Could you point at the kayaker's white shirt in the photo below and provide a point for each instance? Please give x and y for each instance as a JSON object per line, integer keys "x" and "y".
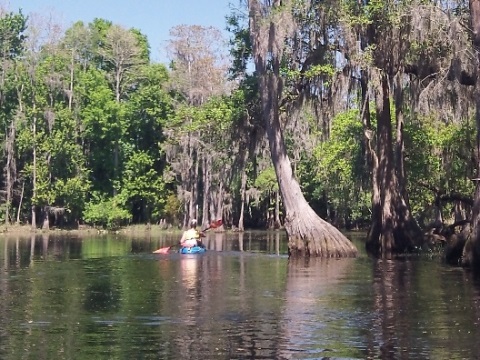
{"x": 190, "y": 237}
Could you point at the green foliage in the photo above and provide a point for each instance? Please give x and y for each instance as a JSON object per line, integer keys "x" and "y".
{"x": 60, "y": 101}
{"x": 71, "y": 193}
{"x": 98, "y": 110}
{"x": 141, "y": 185}
{"x": 143, "y": 43}
{"x": 98, "y": 29}
{"x": 267, "y": 181}
{"x": 438, "y": 155}
{"x": 146, "y": 115}
{"x": 172, "y": 209}
{"x": 240, "y": 43}
{"x": 339, "y": 169}
{"x": 312, "y": 72}
{"x": 105, "y": 212}
{"x": 213, "y": 117}
{"x": 12, "y": 34}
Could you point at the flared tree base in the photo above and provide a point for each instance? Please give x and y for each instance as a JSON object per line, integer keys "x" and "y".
{"x": 405, "y": 237}
{"x": 310, "y": 235}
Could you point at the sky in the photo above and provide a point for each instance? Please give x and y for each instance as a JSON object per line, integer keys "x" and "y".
{"x": 154, "y": 18}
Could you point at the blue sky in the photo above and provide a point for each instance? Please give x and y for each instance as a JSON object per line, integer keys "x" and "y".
{"x": 154, "y": 18}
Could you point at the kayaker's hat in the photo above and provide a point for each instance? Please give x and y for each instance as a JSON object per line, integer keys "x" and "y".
{"x": 193, "y": 223}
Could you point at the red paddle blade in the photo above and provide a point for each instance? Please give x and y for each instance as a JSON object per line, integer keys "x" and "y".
{"x": 216, "y": 223}
{"x": 162, "y": 250}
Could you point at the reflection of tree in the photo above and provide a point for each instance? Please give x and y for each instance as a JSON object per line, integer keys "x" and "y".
{"x": 246, "y": 305}
{"x": 45, "y": 240}
{"x": 190, "y": 297}
{"x": 415, "y": 313}
{"x": 391, "y": 287}
{"x": 270, "y": 242}
{"x": 32, "y": 248}
{"x": 240, "y": 241}
{"x": 226, "y": 306}
{"x": 310, "y": 283}
{"x": 4, "y": 292}
{"x": 273, "y": 242}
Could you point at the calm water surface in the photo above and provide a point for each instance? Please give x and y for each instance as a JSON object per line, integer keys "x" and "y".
{"x": 111, "y": 298}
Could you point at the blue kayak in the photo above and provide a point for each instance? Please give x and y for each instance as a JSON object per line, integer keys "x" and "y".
{"x": 192, "y": 250}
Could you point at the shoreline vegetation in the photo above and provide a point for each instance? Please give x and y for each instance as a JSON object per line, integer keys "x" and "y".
{"x": 15, "y": 229}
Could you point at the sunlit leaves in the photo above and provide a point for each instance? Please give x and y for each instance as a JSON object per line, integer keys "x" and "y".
{"x": 327, "y": 70}
{"x": 12, "y": 34}
{"x": 97, "y": 105}
{"x": 341, "y": 168}
{"x": 266, "y": 181}
{"x": 105, "y": 212}
{"x": 142, "y": 184}
{"x": 440, "y": 156}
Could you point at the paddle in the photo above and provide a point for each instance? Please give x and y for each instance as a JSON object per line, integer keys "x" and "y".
{"x": 213, "y": 225}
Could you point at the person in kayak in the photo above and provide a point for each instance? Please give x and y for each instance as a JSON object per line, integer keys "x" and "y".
{"x": 191, "y": 237}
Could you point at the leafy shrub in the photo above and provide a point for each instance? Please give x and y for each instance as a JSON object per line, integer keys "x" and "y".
{"x": 106, "y": 213}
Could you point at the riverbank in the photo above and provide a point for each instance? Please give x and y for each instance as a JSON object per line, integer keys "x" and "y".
{"x": 15, "y": 229}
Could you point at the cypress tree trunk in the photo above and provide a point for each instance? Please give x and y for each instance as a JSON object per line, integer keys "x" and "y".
{"x": 243, "y": 186}
{"x": 278, "y": 223}
{"x": 308, "y": 234}
{"x": 34, "y": 173}
{"x": 9, "y": 170}
{"x": 206, "y": 168}
{"x": 393, "y": 228}
{"x": 471, "y": 251}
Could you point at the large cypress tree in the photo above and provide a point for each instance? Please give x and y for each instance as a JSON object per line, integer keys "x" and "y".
{"x": 308, "y": 234}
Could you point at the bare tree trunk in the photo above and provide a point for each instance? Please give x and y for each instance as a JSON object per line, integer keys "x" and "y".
{"x": 211, "y": 203}
{"x": 185, "y": 213}
{"x": 219, "y": 205}
{"x": 194, "y": 186}
{"x": 243, "y": 191}
{"x": 438, "y": 211}
{"x": 21, "y": 113}
{"x": 116, "y": 145}
{"x": 206, "y": 188}
{"x": 243, "y": 186}
{"x": 20, "y": 203}
{"x": 190, "y": 181}
{"x": 374, "y": 230}
{"x": 46, "y": 221}
{"x": 471, "y": 252}
{"x": 268, "y": 213}
{"x": 400, "y": 143}
{"x": 393, "y": 228}
{"x": 308, "y": 234}
{"x": 34, "y": 173}
{"x": 10, "y": 170}
{"x": 278, "y": 223}
{"x": 70, "y": 90}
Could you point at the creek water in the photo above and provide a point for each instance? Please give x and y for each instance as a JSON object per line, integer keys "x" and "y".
{"x": 109, "y": 297}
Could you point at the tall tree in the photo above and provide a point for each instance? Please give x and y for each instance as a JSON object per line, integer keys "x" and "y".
{"x": 56, "y": 162}
{"x": 122, "y": 50}
{"x": 383, "y": 28}
{"x": 147, "y": 110}
{"x": 271, "y": 23}
{"x": 471, "y": 252}
{"x": 198, "y": 73}
{"x": 12, "y": 28}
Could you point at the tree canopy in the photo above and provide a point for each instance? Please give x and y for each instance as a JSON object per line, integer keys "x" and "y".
{"x": 372, "y": 103}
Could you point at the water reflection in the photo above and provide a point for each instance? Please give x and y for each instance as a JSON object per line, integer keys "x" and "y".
{"x": 110, "y": 297}
{"x": 313, "y": 321}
